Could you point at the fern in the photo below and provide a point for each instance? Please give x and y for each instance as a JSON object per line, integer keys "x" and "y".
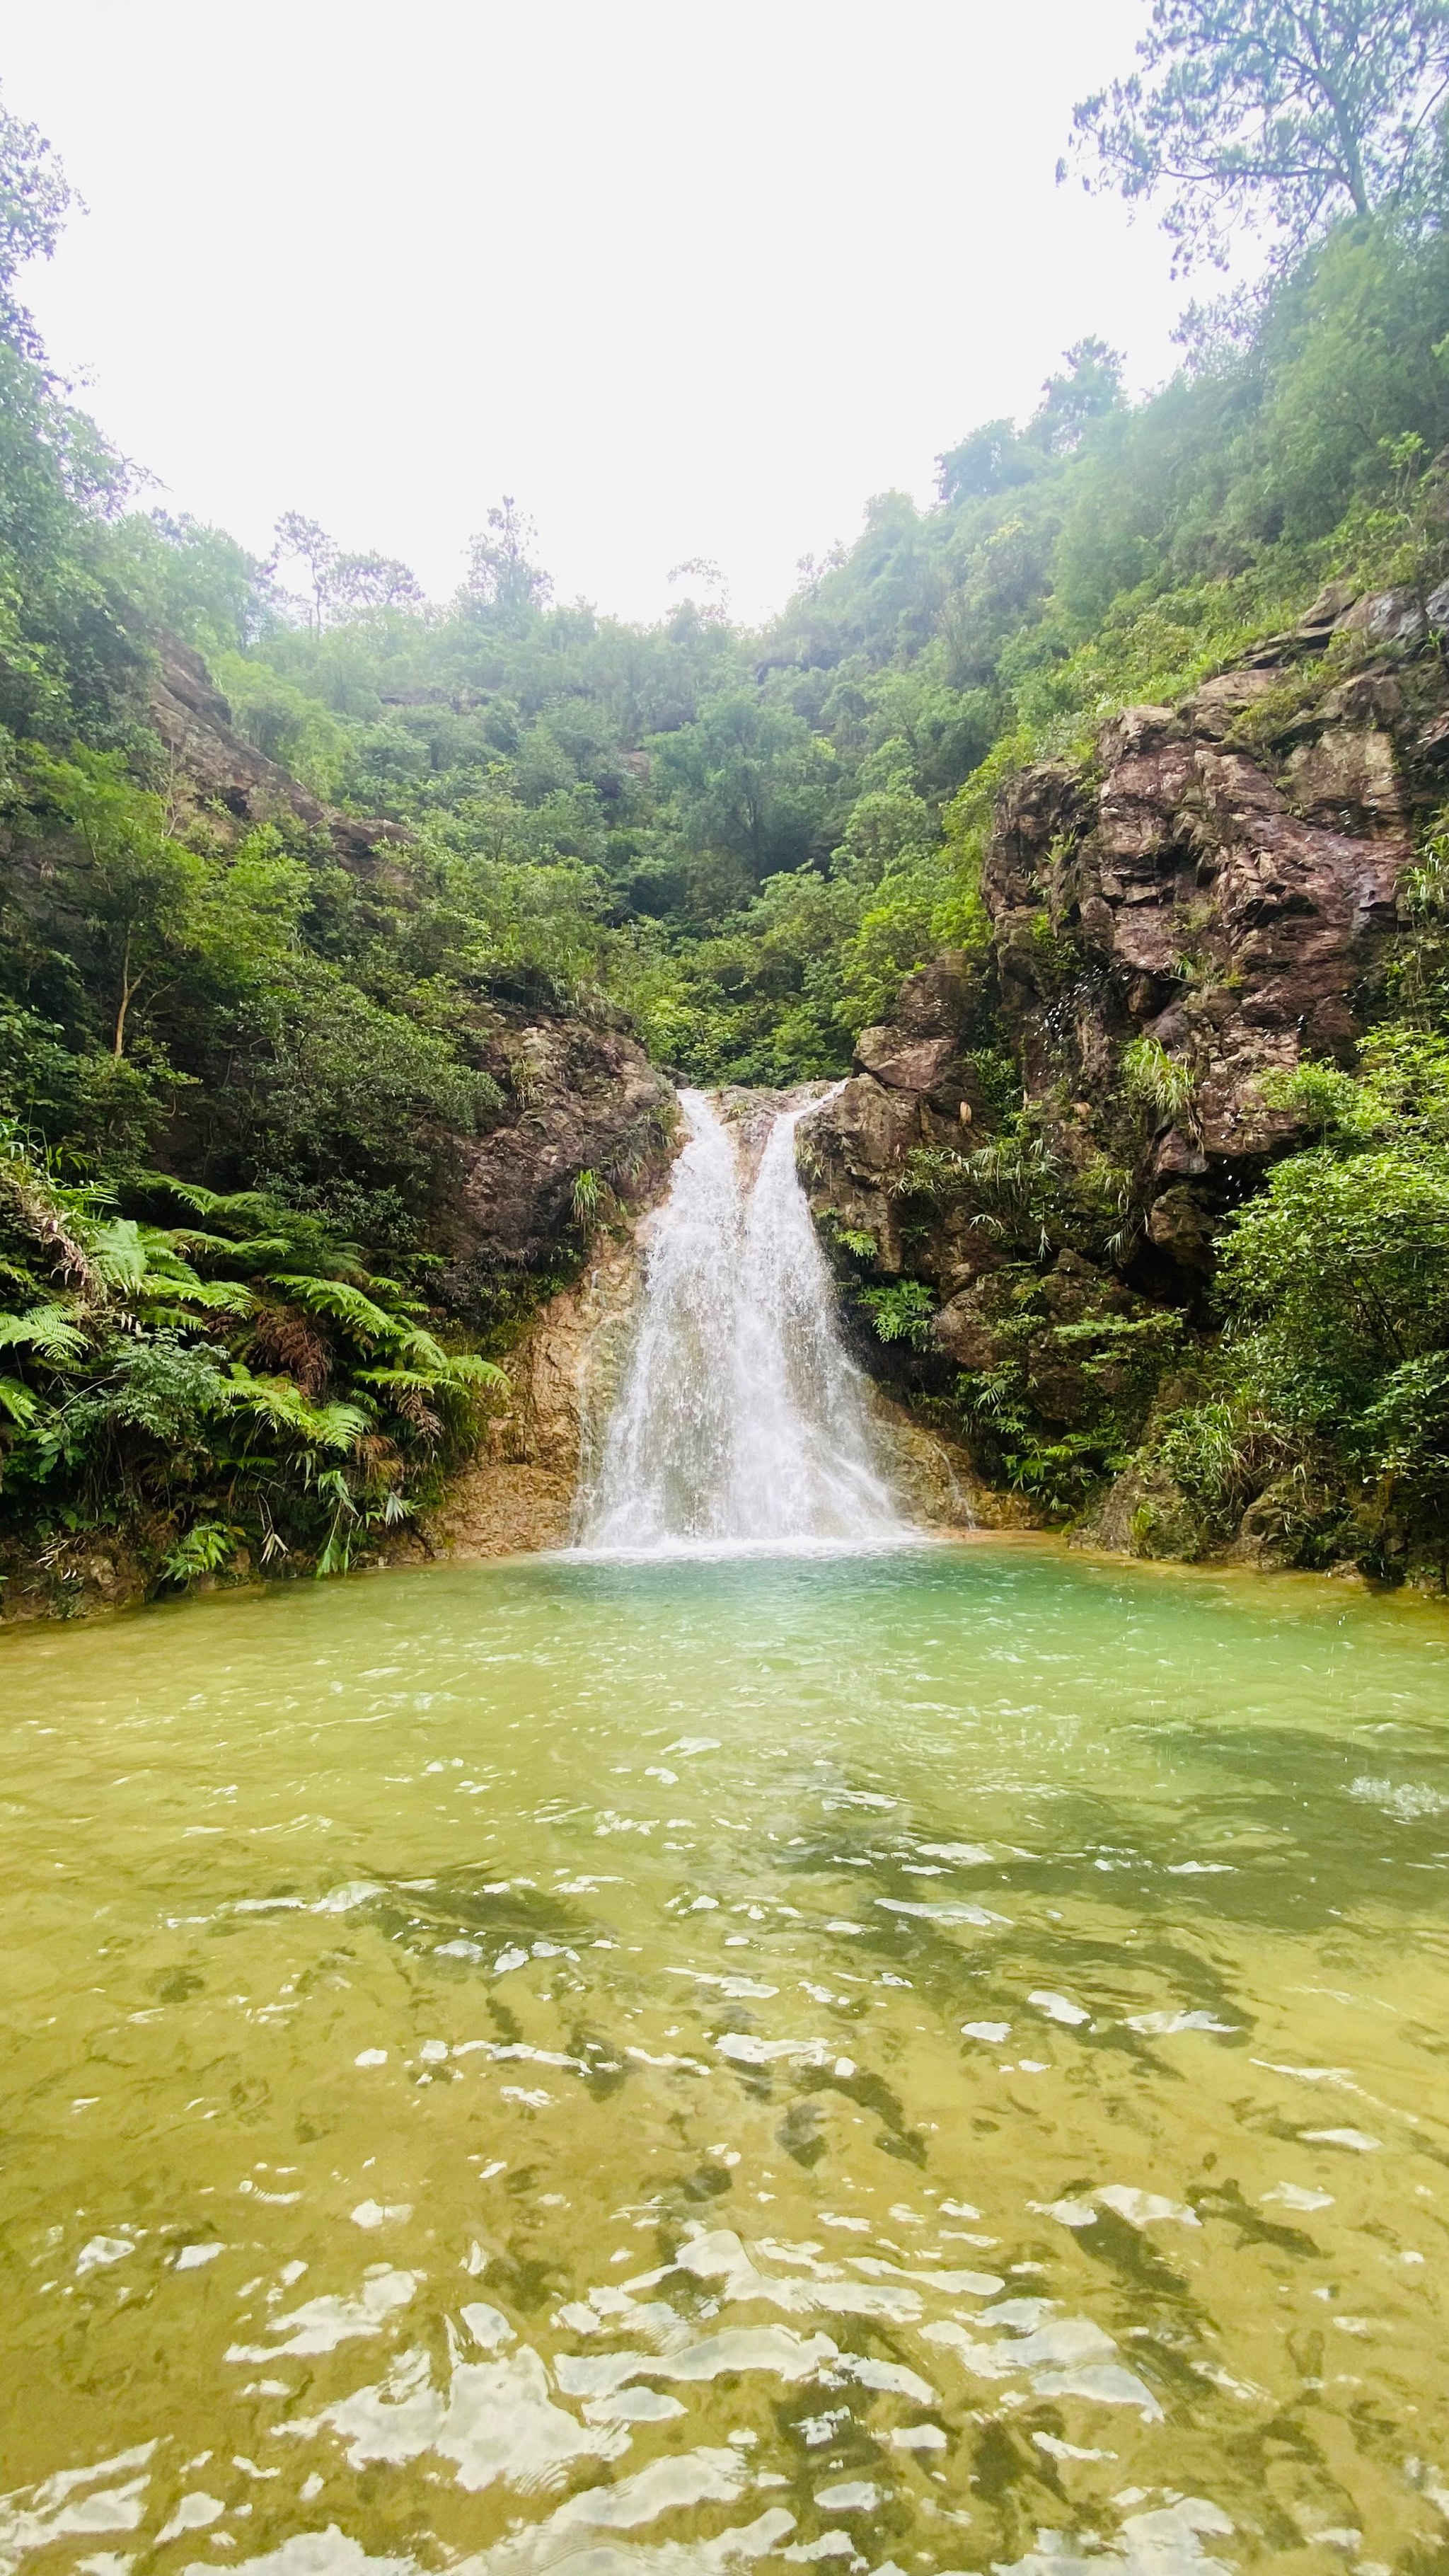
{"x": 51, "y": 1332}
{"x": 469, "y": 1368}
{"x": 205, "y": 1549}
{"x": 463, "y": 1370}
{"x": 279, "y": 1403}
{"x": 901, "y": 1312}
{"x": 20, "y": 1402}
{"x": 342, "y": 1303}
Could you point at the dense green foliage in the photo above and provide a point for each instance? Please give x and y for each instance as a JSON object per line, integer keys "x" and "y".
{"x": 240, "y": 1381}
{"x": 742, "y": 841}
{"x": 746, "y": 840}
{"x": 736, "y": 843}
{"x": 1328, "y": 1400}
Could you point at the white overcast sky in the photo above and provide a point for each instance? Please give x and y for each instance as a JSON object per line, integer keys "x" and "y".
{"x": 687, "y": 277}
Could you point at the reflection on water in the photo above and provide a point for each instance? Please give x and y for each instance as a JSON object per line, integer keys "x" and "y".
{"x": 933, "y": 2062}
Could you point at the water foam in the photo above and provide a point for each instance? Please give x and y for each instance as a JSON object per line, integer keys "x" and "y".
{"x": 742, "y": 1422}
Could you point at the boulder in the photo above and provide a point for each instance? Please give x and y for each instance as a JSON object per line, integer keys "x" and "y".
{"x": 937, "y": 1000}
{"x": 1347, "y": 778}
{"x": 582, "y": 1099}
{"x": 1387, "y": 620}
{"x": 1217, "y": 705}
{"x": 1333, "y": 603}
{"x": 902, "y": 1062}
{"x": 963, "y": 1333}
{"x": 1178, "y": 1224}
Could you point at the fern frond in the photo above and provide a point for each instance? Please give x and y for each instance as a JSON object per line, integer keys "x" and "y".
{"x": 215, "y": 1296}
{"x": 343, "y": 1304}
{"x": 281, "y": 1404}
{"x": 51, "y": 1332}
{"x": 469, "y": 1368}
{"x": 20, "y": 1402}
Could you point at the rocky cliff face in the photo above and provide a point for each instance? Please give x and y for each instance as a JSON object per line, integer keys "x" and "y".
{"x": 588, "y": 1121}
{"x": 213, "y": 768}
{"x": 1217, "y": 883}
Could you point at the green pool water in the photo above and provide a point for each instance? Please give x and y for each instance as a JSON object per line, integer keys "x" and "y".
{"x": 931, "y": 2060}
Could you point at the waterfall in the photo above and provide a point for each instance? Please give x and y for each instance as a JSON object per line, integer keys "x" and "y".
{"x": 741, "y": 1420}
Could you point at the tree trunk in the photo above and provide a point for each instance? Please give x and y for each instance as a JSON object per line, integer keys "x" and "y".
{"x": 130, "y": 987}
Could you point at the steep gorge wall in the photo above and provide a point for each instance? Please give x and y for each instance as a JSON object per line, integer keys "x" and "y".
{"x": 580, "y": 1122}
{"x": 577, "y": 1096}
{"x": 1221, "y": 878}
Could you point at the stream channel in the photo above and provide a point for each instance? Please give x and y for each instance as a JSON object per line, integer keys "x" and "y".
{"x": 687, "y": 2055}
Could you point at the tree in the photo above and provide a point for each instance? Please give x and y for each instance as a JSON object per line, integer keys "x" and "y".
{"x": 501, "y": 571}
{"x": 987, "y": 460}
{"x": 1284, "y": 114}
{"x": 746, "y": 778}
{"x": 307, "y": 541}
{"x": 35, "y": 197}
{"x": 344, "y": 585}
{"x": 138, "y": 887}
{"x": 359, "y": 583}
{"x": 1090, "y": 386}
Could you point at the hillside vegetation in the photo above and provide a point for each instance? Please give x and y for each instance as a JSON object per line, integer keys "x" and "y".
{"x": 236, "y": 1055}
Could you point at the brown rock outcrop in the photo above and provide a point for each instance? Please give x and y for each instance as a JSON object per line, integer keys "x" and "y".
{"x": 1220, "y": 881}
{"x": 520, "y": 1492}
{"x": 213, "y": 767}
{"x": 1222, "y": 886}
{"x": 582, "y": 1100}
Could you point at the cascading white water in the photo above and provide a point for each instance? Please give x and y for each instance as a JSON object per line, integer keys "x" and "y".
{"x": 741, "y": 1420}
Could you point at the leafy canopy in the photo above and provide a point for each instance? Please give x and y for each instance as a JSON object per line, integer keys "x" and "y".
{"x": 1276, "y": 115}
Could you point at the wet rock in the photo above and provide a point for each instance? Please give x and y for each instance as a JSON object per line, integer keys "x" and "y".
{"x": 1179, "y": 1225}
{"x": 584, "y": 1099}
{"x": 1387, "y": 620}
{"x": 903, "y": 1063}
{"x": 1176, "y": 1154}
{"x": 852, "y": 1160}
{"x": 936, "y": 1478}
{"x": 1142, "y": 1513}
{"x": 1267, "y": 1533}
{"x": 519, "y": 1493}
{"x": 963, "y": 1332}
{"x": 1348, "y": 778}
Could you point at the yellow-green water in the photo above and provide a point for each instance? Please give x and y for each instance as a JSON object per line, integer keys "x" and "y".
{"x": 934, "y": 2059}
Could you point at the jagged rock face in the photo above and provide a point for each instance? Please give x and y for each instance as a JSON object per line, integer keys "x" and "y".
{"x": 1221, "y": 878}
{"x": 193, "y": 720}
{"x": 913, "y": 1087}
{"x": 583, "y": 1099}
{"x": 214, "y": 768}
{"x": 1233, "y": 915}
{"x": 519, "y": 1493}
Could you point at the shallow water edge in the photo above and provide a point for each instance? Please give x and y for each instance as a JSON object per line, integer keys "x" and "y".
{"x": 931, "y": 2058}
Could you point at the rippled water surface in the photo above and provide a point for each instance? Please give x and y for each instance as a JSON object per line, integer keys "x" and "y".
{"x": 932, "y": 2061}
